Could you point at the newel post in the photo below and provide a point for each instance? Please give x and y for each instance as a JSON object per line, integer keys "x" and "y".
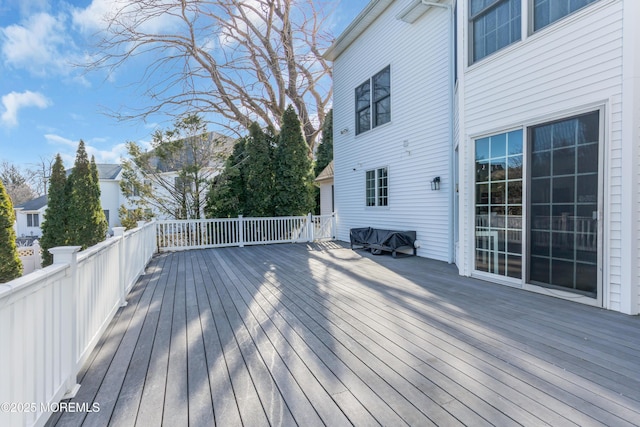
{"x": 241, "y": 231}
{"x": 118, "y": 232}
{"x": 310, "y": 230}
{"x": 69, "y": 310}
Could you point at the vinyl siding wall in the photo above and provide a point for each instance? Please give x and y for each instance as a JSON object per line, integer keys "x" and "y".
{"x": 110, "y": 196}
{"x": 572, "y": 65}
{"x": 326, "y": 207}
{"x": 414, "y": 146}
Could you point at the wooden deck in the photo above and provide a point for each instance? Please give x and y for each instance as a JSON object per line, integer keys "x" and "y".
{"x": 311, "y": 335}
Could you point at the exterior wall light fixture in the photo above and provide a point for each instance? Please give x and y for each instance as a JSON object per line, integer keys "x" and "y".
{"x": 435, "y": 183}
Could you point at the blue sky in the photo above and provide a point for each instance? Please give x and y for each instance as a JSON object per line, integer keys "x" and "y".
{"x": 47, "y": 104}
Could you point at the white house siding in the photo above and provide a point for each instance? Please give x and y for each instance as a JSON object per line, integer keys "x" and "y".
{"x": 326, "y": 198}
{"x": 630, "y": 132}
{"x": 110, "y": 199}
{"x": 572, "y": 65}
{"x": 414, "y": 146}
{"x": 22, "y": 228}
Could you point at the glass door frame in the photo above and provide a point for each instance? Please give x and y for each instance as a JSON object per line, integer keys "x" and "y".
{"x": 601, "y": 215}
{"x": 526, "y": 188}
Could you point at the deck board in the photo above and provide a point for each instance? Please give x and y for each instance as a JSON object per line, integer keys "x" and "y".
{"x": 317, "y": 334}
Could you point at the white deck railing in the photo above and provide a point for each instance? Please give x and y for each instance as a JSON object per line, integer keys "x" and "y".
{"x": 50, "y": 320}
{"x": 177, "y": 235}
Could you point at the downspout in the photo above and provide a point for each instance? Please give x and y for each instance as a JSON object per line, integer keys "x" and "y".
{"x": 451, "y": 195}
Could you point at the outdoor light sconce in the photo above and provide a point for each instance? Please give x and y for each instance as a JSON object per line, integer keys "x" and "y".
{"x": 435, "y": 183}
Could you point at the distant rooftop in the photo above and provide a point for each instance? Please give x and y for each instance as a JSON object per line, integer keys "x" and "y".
{"x": 33, "y": 205}
{"x": 105, "y": 170}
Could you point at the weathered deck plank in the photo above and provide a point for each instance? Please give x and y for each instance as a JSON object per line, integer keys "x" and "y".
{"x": 321, "y": 335}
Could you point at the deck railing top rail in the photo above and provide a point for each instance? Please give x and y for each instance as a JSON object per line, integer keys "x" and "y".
{"x": 175, "y": 235}
{"x": 51, "y": 319}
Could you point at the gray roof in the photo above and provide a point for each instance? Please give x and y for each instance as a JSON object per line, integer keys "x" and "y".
{"x": 108, "y": 171}
{"x": 105, "y": 170}
{"x": 33, "y": 205}
{"x": 220, "y": 145}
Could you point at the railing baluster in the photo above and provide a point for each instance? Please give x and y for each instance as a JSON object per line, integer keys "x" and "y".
{"x": 221, "y": 232}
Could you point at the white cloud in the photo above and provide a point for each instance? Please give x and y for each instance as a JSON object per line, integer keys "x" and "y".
{"x": 13, "y": 102}
{"x": 59, "y": 140}
{"x": 68, "y": 149}
{"x": 99, "y": 14}
{"x": 94, "y": 17}
{"x": 40, "y": 45}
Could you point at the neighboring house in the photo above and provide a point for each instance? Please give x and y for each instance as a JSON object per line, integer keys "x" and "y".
{"x": 110, "y": 195}
{"x": 324, "y": 180}
{"x": 167, "y": 185}
{"x": 533, "y": 131}
{"x": 30, "y": 215}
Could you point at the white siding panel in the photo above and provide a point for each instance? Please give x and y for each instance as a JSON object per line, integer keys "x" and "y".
{"x": 573, "y": 64}
{"x": 110, "y": 200}
{"x": 326, "y": 207}
{"x": 584, "y": 66}
{"x": 415, "y": 145}
{"x": 613, "y": 227}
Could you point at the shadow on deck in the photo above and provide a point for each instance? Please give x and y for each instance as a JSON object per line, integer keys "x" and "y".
{"x": 321, "y": 335}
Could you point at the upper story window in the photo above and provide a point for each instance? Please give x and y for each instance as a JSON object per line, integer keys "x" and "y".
{"x": 546, "y": 12}
{"x": 377, "y": 187}
{"x": 363, "y": 107}
{"x": 373, "y": 101}
{"x": 33, "y": 220}
{"x": 494, "y": 24}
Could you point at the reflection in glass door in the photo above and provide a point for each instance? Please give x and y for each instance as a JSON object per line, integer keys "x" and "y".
{"x": 563, "y": 204}
{"x": 498, "y": 221}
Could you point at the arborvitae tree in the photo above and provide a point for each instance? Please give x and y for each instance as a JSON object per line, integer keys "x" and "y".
{"x": 55, "y": 226}
{"x": 87, "y": 223}
{"x": 10, "y": 264}
{"x": 226, "y": 197}
{"x": 324, "y": 155}
{"x": 259, "y": 173}
{"x": 98, "y": 217}
{"x": 293, "y": 193}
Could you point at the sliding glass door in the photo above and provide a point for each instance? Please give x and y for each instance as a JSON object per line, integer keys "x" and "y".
{"x": 557, "y": 245}
{"x": 563, "y": 204}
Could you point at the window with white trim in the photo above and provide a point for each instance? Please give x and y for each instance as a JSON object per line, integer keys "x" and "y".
{"x": 373, "y": 101}
{"x": 493, "y": 24}
{"x": 546, "y": 12}
{"x": 33, "y": 220}
{"x": 377, "y": 187}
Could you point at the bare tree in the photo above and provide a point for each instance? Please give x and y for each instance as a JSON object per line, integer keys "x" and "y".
{"x": 242, "y": 60}
{"x": 16, "y": 183}
{"x": 40, "y": 174}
